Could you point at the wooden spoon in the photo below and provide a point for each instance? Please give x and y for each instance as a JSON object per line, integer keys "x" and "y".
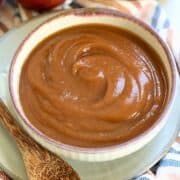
{"x": 40, "y": 163}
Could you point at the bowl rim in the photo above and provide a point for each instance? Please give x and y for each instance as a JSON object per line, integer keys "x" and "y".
{"x": 96, "y": 12}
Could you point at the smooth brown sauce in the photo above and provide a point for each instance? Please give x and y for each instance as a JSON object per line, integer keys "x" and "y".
{"x": 93, "y": 86}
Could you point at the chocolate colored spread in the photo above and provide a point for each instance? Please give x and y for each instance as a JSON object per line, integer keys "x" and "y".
{"x": 93, "y": 86}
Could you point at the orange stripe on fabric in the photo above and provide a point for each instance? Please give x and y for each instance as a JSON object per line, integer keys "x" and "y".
{"x": 147, "y": 10}
{"x": 105, "y": 3}
{"x": 178, "y": 139}
{"x": 170, "y": 36}
{"x": 137, "y": 4}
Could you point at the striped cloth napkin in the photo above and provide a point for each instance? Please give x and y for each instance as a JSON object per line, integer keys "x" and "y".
{"x": 150, "y": 12}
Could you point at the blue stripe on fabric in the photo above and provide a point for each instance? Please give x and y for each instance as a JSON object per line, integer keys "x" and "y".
{"x": 169, "y": 162}
{"x": 156, "y": 16}
{"x": 142, "y": 178}
{"x": 172, "y": 150}
{"x": 166, "y": 23}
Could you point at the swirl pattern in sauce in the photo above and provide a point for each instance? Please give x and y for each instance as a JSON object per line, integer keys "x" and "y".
{"x": 93, "y": 86}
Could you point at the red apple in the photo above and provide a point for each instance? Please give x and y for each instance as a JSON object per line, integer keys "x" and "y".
{"x": 1, "y": 2}
{"x": 40, "y": 4}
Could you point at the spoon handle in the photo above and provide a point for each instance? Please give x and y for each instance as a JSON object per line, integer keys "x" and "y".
{"x": 22, "y": 139}
{"x": 40, "y": 163}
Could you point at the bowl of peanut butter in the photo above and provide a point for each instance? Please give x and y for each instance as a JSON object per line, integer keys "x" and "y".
{"x": 93, "y": 84}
